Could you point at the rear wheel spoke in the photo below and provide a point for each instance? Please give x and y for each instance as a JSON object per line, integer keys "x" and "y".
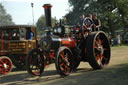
{"x": 96, "y": 43}
{"x": 99, "y": 44}
{"x": 105, "y": 58}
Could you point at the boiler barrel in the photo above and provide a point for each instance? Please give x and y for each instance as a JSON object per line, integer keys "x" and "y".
{"x": 53, "y": 43}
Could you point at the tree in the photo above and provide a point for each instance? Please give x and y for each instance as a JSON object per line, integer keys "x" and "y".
{"x": 41, "y": 24}
{"x": 79, "y": 7}
{"x": 5, "y": 19}
{"x": 113, "y": 13}
{"x": 123, "y": 11}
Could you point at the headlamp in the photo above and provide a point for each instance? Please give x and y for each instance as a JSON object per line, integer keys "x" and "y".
{"x": 59, "y": 30}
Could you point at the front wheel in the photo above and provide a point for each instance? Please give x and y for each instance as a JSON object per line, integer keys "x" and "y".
{"x": 98, "y": 50}
{"x": 35, "y": 62}
{"x": 64, "y": 61}
{"x": 5, "y": 65}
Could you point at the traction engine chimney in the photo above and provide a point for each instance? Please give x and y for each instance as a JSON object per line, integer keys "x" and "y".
{"x": 47, "y": 10}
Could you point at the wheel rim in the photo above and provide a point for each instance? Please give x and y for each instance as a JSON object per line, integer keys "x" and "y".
{"x": 101, "y": 50}
{"x": 36, "y": 65}
{"x": 5, "y": 65}
{"x": 64, "y": 59}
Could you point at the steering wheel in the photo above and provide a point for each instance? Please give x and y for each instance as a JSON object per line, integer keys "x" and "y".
{"x": 87, "y": 26}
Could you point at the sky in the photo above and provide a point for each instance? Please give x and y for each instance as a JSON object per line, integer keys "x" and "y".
{"x": 21, "y": 10}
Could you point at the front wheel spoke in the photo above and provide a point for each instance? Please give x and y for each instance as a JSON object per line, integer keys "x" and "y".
{"x": 7, "y": 66}
{"x": 61, "y": 64}
{"x": 4, "y": 70}
{"x": 61, "y": 59}
{"x": 67, "y": 61}
{"x": 6, "y": 61}
{"x": 66, "y": 56}
{"x": 61, "y": 68}
{"x": 62, "y": 55}
{"x": 2, "y": 62}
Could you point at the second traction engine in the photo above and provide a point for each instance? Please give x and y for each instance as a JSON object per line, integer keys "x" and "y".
{"x": 66, "y": 46}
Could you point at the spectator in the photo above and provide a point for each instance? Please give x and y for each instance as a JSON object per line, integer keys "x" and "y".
{"x": 81, "y": 20}
{"x": 96, "y": 22}
{"x": 119, "y": 39}
{"x": 29, "y": 34}
{"x": 89, "y": 16}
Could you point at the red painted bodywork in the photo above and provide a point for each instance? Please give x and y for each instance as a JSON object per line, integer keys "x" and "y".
{"x": 69, "y": 42}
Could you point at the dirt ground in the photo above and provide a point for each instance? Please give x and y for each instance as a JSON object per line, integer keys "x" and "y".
{"x": 115, "y": 74}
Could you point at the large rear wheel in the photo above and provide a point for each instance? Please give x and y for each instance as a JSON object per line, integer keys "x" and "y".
{"x": 98, "y": 50}
{"x": 35, "y": 62}
{"x": 64, "y": 61}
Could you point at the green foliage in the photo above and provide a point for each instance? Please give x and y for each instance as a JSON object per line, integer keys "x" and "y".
{"x": 5, "y": 19}
{"x": 113, "y": 13}
{"x": 41, "y": 24}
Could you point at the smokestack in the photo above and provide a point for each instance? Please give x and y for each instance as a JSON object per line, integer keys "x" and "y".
{"x": 47, "y": 9}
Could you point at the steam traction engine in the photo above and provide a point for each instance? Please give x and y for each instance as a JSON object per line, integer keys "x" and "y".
{"x": 15, "y": 42}
{"x": 67, "y": 46}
